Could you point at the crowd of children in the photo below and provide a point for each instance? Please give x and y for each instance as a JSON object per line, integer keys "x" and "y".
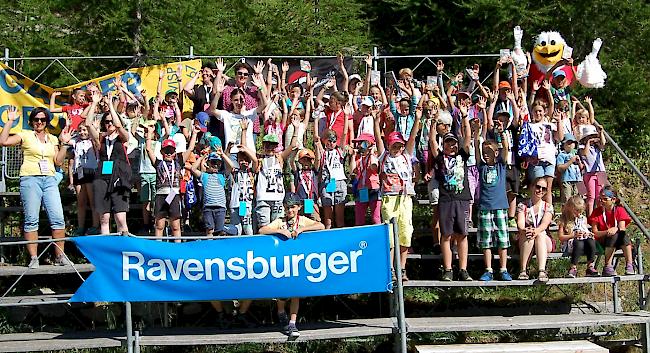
{"x": 256, "y": 144}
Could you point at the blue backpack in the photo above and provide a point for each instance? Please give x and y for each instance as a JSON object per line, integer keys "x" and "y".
{"x": 528, "y": 142}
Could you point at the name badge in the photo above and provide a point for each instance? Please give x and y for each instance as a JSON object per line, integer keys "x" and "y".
{"x": 44, "y": 166}
{"x": 242, "y": 208}
{"x": 363, "y": 195}
{"x": 107, "y": 167}
{"x": 331, "y": 186}
{"x": 308, "y": 206}
{"x": 170, "y": 198}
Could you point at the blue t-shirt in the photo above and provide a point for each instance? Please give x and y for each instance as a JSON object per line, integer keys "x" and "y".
{"x": 214, "y": 192}
{"x": 492, "y": 194}
{"x": 573, "y": 172}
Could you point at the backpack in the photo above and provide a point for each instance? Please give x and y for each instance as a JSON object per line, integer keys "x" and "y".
{"x": 528, "y": 142}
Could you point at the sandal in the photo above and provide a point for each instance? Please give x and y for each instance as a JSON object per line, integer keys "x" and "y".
{"x": 542, "y": 276}
{"x": 523, "y": 276}
{"x": 404, "y": 278}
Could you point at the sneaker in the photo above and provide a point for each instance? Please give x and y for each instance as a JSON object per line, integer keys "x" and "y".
{"x": 292, "y": 331}
{"x": 464, "y": 276}
{"x": 447, "y": 276}
{"x": 505, "y": 276}
{"x": 79, "y": 232}
{"x": 221, "y": 321}
{"x": 244, "y": 320}
{"x": 33, "y": 263}
{"x": 487, "y": 276}
{"x": 62, "y": 260}
{"x": 629, "y": 269}
{"x": 591, "y": 272}
{"x": 573, "y": 272}
{"x": 283, "y": 319}
{"x": 542, "y": 276}
{"x": 608, "y": 271}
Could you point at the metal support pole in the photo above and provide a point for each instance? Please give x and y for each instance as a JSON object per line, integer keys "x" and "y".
{"x": 137, "y": 342}
{"x": 645, "y": 340}
{"x": 635, "y": 219}
{"x": 191, "y": 56}
{"x": 639, "y": 263}
{"x": 627, "y": 160}
{"x": 6, "y": 58}
{"x": 401, "y": 319}
{"x": 616, "y": 300}
{"x": 129, "y": 328}
{"x": 375, "y": 58}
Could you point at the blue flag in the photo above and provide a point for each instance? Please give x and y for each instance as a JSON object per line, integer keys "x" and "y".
{"x": 342, "y": 261}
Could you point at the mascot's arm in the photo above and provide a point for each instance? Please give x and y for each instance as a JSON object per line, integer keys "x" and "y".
{"x": 589, "y": 72}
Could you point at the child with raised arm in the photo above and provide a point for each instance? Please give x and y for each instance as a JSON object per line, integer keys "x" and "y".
{"x": 493, "y": 205}
{"x": 73, "y": 111}
{"x": 396, "y": 184}
{"x": 569, "y": 166}
{"x": 608, "y": 223}
{"x": 291, "y": 226}
{"x": 574, "y": 232}
{"x": 453, "y": 204}
{"x": 242, "y": 180}
{"x": 333, "y": 181}
{"x": 365, "y": 165}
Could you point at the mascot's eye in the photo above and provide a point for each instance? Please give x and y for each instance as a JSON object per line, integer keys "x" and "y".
{"x": 552, "y": 42}
{"x": 543, "y": 43}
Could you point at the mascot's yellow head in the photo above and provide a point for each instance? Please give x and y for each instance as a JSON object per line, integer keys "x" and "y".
{"x": 549, "y": 48}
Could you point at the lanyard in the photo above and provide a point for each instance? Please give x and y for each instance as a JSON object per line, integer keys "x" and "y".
{"x": 331, "y": 160}
{"x": 169, "y": 175}
{"x": 362, "y": 124}
{"x": 207, "y": 93}
{"x": 364, "y": 169}
{"x": 244, "y": 179}
{"x": 109, "y": 147}
{"x": 295, "y": 224}
{"x": 42, "y": 144}
{"x": 333, "y": 118}
{"x": 540, "y": 215}
{"x": 605, "y": 217}
{"x": 307, "y": 179}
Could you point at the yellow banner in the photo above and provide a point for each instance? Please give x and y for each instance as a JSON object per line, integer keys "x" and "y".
{"x": 24, "y": 93}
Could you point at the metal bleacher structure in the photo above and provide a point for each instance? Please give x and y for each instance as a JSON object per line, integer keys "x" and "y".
{"x": 396, "y": 324}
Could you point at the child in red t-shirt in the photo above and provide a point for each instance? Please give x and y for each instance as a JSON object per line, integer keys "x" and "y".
{"x": 72, "y": 111}
{"x": 608, "y": 223}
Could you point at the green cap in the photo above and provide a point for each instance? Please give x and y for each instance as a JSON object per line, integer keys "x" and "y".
{"x": 272, "y": 138}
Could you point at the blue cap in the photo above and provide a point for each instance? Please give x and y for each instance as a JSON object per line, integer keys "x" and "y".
{"x": 214, "y": 157}
{"x": 215, "y": 143}
{"x": 203, "y": 118}
{"x": 559, "y": 72}
{"x": 568, "y": 137}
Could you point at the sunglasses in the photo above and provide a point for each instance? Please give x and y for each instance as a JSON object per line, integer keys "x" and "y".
{"x": 541, "y": 188}
{"x": 168, "y": 151}
{"x": 107, "y": 122}
{"x": 332, "y": 138}
{"x": 39, "y": 120}
{"x": 243, "y": 74}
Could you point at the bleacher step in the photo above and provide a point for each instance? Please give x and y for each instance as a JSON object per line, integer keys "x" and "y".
{"x": 47, "y": 341}
{"x": 551, "y": 281}
{"x": 525, "y": 347}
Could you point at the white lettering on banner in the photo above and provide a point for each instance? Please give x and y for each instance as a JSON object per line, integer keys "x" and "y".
{"x": 316, "y": 265}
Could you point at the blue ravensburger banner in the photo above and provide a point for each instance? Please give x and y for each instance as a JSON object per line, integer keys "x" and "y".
{"x": 344, "y": 261}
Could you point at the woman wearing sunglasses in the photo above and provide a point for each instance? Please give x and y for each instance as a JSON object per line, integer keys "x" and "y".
{"x": 533, "y": 217}
{"x": 38, "y": 184}
{"x": 112, "y": 184}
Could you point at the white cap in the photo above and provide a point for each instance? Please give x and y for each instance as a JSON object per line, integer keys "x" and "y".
{"x": 367, "y": 102}
{"x": 354, "y": 76}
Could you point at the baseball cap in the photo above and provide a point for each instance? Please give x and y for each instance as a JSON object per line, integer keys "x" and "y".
{"x": 558, "y": 73}
{"x": 203, "y": 118}
{"x": 568, "y": 137}
{"x": 170, "y": 92}
{"x": 306, "y": 153}
{"x": 504, "y": 85}
{"x": 168, "y": 143}
{"x": 354, "y": 77}
{"x": 365, "y": 137}
{"x": 291, "y": 199}
{"x": 444, "y": 118}
{"x": 272, "y": 138}
{"x": 449, "y": 136}
{"x": 395, "y": 137}
{"x": 215, "y": 143}
{"x": 462, "y": 93}
{"x": 367, "y": 102}
{"x": 213, "y": 157}
{"x": 326, "y": 97}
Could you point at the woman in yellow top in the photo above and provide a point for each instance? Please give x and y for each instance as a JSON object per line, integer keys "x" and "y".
{"x": 38, "y": 183}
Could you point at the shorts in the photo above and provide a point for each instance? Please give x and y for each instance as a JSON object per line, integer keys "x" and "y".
{"x": 401, "y": 208}
{"x": 243, "y": 224}
{"x": 542, "y": 169}
{"x": 88, "y": 175}
{"x": 268, "y": 211}
{"x": 473, "y": 181}
{"x": 512, "y": 179}
{"x": 214, "y": 218}
{"x": 569, "y": 188}
{"x": 337, "y": 197}
{"x": 433, "y": 188}
{"x": 38, "y": 191}
{"x": 164, "y": 210}
{"x": 116, "y": 201}
{"x": 493, "y": 229}
{"x": 454, "y": 216}
{"x": 618, "y": 240}
{"x": 147, "y": 187}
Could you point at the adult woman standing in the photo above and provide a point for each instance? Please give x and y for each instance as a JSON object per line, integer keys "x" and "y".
{"x": 38, "y": 183}
{"x": 112, "y": 185}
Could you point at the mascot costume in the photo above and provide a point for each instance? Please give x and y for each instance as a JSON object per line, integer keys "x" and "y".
{"x": 550, "y": 48}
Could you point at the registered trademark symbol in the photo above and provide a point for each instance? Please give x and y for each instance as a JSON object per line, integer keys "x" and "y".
{"x": 363, "y": 244}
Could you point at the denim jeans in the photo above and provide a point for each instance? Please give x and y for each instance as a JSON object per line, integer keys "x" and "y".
{"x": 35, "y": 190}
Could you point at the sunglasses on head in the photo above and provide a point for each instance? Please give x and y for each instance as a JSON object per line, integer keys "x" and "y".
{"x": 541, "y": 188}
{"x": 331, "y": 138}
{"x": 242, "y": 73}
{"x": 39, "y": 120}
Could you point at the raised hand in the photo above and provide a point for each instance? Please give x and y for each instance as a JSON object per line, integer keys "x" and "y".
{"x": 221, "y": 67}
{"x": 587, "y": 99}
{"x": 258, "y": 80}
{"x": 510, "y": 95}
{"x": 482, "y": 102}
{"x": 475, "y": 70}
{"x": 440, "y": 66}
{"x": 368, "y": 60}
{"x": 494, "y": 95}
{"x": 56, "y": 94}
{"x": 259, "y": 67}
{"x": 179, "y": 72}
{"x": 220, "y": 84}
{"x": 339, "y": 59}
{"x": 536, "y": 85}
{"x": 285, "y": 66}
{"x": 97, "y": 97}
{"x": 12, "y": 113}
{"x": 295, "y": 121}
{"x": 546, "y": 85}
{"x": 161, "y": 74}
{"x": 243, "y": 124}
{"x": 65, "y": 135}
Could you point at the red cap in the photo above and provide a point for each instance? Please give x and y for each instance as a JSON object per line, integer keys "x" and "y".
{"x": 365, "y": 137}
{"x": 504, "y": 84}
{"x": 168, "y": 142}
{"x": 394, "y": 137}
